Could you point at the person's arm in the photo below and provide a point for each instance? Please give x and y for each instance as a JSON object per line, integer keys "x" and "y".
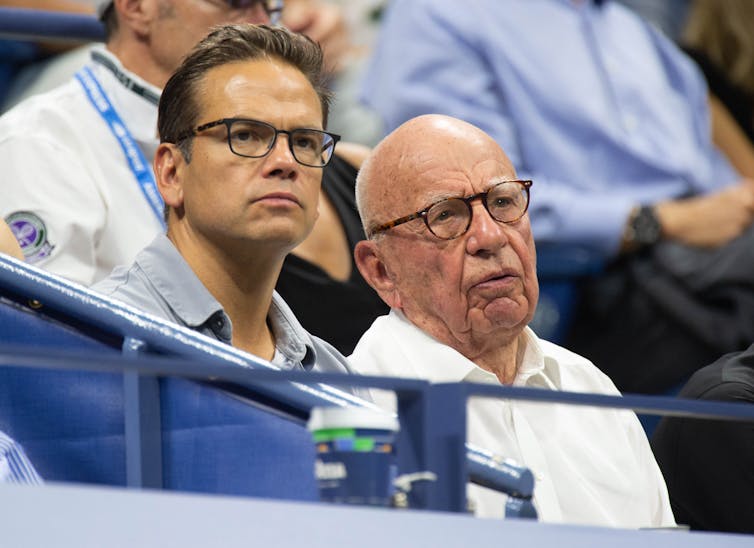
{"x": 711, "y": 220}
{"x": 53, "y": 201}
{"x": 730, "y": 138}
{"x": 8, "y": 243}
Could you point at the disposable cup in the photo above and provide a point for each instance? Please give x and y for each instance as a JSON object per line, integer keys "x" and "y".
{"x": 355, "y": 461}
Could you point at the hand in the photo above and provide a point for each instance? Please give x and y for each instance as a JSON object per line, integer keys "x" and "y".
{"x": 322, "y": 22}
{"x": 711, "y": 220}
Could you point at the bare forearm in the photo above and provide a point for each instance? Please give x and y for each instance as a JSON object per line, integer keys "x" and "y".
{"x": 730, "y": 138}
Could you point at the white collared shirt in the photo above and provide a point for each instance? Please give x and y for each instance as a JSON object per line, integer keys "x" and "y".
{"x": 67, "y": 187}
{"x": 591, "y": 466}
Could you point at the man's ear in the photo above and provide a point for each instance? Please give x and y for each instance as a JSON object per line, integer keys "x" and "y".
{"x": 373, "y": 269}
{"x": 136, "y": 14}
{"x": 169, "y": 167}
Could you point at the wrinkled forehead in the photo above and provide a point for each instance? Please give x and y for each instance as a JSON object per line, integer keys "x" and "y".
{"x": 456, "y": 168}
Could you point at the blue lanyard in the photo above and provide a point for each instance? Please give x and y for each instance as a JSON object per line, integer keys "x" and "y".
{"x": 136, "y": 160}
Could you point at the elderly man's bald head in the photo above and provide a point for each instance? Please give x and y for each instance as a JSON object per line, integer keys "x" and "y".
{"x": 470, "y": 282}
{"x": 403, "y": 153}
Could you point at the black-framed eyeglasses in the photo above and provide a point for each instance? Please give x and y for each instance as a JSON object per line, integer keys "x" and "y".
{"x": 255, "y": 139}
{"x": 506, "y": 202}
{"x": 273, "y": 8}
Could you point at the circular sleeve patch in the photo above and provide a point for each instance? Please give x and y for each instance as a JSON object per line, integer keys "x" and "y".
{"x": 31, "y": 233}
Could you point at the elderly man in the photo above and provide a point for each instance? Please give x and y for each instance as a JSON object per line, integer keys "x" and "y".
{"x": 451, "y": 252}
{"x": 239, "y": 167}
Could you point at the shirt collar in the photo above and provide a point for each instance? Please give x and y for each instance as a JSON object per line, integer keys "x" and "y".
{"x": 138, "y": 112}
{"x": 195, "y": 306}
{"x": 293, "y": 345}
{"x": 171, "y": 275}
{"x": 132, "y": 82}
{"x": 449, "y": 365}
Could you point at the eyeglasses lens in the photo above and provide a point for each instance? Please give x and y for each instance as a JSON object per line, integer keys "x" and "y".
{"x": 449, "y": 218}
{"x": 249, "y": 138}
{"x": 507, "y": 202}
{"x": 255, "y": 139}
{"x": 311, "y": 147}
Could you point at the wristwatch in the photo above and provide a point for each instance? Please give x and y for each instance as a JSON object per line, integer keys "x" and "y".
{"x": 643, "y": 228}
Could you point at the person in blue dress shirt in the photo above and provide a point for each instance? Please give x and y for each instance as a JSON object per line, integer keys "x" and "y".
{"x": 14, "y": 464}
{"x": 611, "y": 120}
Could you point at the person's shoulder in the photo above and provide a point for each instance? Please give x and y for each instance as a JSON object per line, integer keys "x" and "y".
{"x": 55, "y": 99}
{"x": 59, "y": 109}
{"x": 125, "y": 284}
{"x": 131, "y": 285}
{"x": 730, "y": 378}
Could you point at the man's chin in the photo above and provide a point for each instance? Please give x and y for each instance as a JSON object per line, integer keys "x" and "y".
{"x": 506, "y": 313}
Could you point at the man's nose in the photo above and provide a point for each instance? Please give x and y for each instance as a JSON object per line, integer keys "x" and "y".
{"x": 485, "y": 234}
{"x": 280, "y": 161}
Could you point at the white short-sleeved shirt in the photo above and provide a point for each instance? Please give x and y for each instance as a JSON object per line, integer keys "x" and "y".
{"x": 67, "y": 189}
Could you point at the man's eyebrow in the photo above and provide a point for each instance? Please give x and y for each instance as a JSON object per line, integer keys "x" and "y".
{"x": 444, "y": 195}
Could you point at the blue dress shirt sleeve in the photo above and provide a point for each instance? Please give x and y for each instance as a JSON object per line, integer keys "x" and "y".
{"x": 14, "y": 465}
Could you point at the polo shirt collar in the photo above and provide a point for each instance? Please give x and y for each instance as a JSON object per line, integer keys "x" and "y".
{"x": 171, "y": 275}
{"x": 292, "y": 341}
{"x": 195, "y": 306}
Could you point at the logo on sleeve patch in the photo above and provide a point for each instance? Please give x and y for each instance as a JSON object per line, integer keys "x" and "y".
{"x": 31, "y": 233}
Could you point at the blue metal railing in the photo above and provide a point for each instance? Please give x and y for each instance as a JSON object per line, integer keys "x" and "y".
{"x": 152, "y": 348}
{"x": 21, "y": 23}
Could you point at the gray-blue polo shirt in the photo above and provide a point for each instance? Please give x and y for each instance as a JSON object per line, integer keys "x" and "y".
{"x": 162, "y": 283}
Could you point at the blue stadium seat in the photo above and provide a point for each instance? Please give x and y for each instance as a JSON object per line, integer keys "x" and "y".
{"x": 559, "y": 269}
{"x": 72, "y": 423}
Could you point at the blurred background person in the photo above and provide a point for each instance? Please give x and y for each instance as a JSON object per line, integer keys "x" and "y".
{"x": 15, "y": 466}
{"x": 707, "y": 464}
{"x": 611, "y": 120}
{"x": 668, "y": 16}
{"x": 344, "y": 30}
{"x": 718, "y": 36}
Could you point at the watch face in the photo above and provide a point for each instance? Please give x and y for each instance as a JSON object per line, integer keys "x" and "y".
{"x": 646, "y": 227}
